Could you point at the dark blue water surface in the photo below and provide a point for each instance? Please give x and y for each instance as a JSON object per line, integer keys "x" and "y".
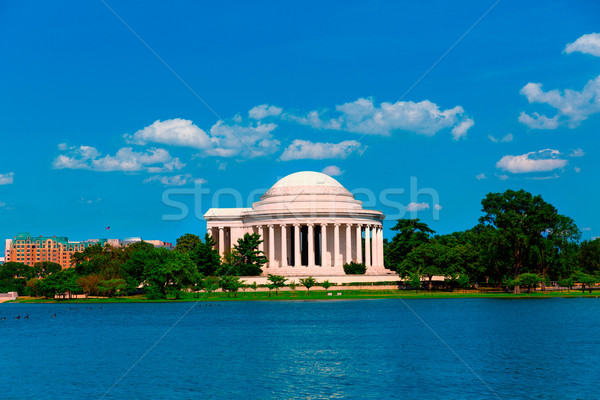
{"x": 371, "y": 349}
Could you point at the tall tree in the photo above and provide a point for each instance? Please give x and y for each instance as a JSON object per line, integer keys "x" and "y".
{"x": 187, "y": 243}
{"x": 411, "y": 234}
{"x": 206, "y": 257}
{"x": 249, "y": 259}
{"x": 521, "y": 219}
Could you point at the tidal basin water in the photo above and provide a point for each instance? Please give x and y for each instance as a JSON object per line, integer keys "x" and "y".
{"x": 370, "y": 349}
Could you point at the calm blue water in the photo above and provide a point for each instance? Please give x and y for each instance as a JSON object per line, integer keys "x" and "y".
{"x": 372, "y": 349}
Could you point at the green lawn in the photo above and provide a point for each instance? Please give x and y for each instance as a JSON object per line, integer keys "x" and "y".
{"x": 249, "y": 295}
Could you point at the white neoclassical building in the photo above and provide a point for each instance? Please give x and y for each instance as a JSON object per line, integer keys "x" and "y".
{"x": 310, "y": 225}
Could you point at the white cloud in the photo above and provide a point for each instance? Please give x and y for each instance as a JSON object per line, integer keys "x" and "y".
{"x": 461, "y": 129}
{"x": 502, "y": 177}
{"x": 586, "y": 229}
{"x": 365, "y": 117}
{"x": 264, "y": 111}
{"x": 172, "y": 132}
{"x": 416, "y": 206}
{"x": 63, "y": 146}
{"x": 587, "y": 44}
{"x": 243, "y": 141}
{"x": 174, "y": 180}
{"x": 505, "y": 139}
{"x": 332, "y": 170}
{"x": 437, "y": 207}
{"x": 304, "y": 149}
{"x": 535, "y": 161}
{"x": 86, "y": 157}
{"x": 7, "y": 179}
{"x": 572, "y": 106}
{"x": 577, "y": 153}
{"x": 481, "y": 176}
{"x": 577, "y": 170}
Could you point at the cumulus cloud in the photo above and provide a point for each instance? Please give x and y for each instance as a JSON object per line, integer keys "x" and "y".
{"x": 305, "y": 149}
{"x": 505, "y": 139}
{"x": 174, "y": 180}
{"x": 417, "y": 206}
{"x": 172, "y": 132}
{"x": 7, "y": 179}
{"x": 535, "y": 161}
{"x": 481, "y": 176}
{"x": 264, "y": 111}
{"x": 332, "y": 170}
{"x": 243, "y": 141}
{"x": 126, "y": 159}
{"x": 365, "y": 117}
{"x": 587, "y": 44}
{"x": 572, "y": 107}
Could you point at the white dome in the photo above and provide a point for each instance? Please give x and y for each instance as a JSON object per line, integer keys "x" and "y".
{"x": 306, "y": 178}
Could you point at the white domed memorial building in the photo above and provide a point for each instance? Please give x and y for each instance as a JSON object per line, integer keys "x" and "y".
{"x": 310, "y": 225}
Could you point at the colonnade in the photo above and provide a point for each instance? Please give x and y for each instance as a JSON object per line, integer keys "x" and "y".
{"x": 323, "y": 245}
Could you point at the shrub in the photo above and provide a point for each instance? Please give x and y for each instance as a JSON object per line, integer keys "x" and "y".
{"x": 354, "y": 268}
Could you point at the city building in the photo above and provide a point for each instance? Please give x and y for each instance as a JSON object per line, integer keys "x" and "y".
{"x": 310, "y": 225}
{"x": 28, "y": 249}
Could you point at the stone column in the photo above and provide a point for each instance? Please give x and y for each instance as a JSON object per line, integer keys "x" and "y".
{"x": 284, "y": 262}
{"x": 376, "y": 246}
{"x": 358, "y": 244}
{"x": 324, "y": 257}
{"x": 311, "y": 245}
{"x": 297, "y": 256}
{"x": 348, "y": 243}
{"x": 221, "y": 241}
{"x": 336, "y": 244}
{"x": 261, "y": 232}
{"x": 367, "y": 246}
{"x": 381, "y": 246}
{"x": 271, "y": 246}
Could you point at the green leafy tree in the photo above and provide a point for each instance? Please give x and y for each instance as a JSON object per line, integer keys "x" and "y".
{"x": 187, "y": 243}
{"x": 45, "y": 268}
{"x": 567, "y": 282}
{"x": 276, "y": 282}
{"x": 589, "y": 256}
{"x": 206, "y": 256}
{"x": 586, "y": 280}
{"x": 112, "y": 287}
{"x": 308, "y": 282}
{"x": 168, "y": 273}
{"x": 63, "y": 282}
{"x": 230, "y": 284}
{"x": 414, "y": 281}
{"x": 89, "y": 284}
{"x": 209, "y": 284}
{"x": 293, "y": 285}
{"x": 412, "y": 233}
{"x": 521, "y": 219}
{"x": 326, "y": 284}
{"x": 528, "y": 280}
{"x": 249, "y": 259}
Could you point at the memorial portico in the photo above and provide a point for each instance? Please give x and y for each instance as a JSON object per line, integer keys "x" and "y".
{"x": 310, "y": 225}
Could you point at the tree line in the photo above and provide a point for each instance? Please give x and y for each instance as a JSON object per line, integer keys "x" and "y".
{"x": 519, "y": 241}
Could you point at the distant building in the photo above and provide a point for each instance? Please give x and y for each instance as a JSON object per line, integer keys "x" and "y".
{"x": 27, "y": 249}
{"x": 1, "y": 260}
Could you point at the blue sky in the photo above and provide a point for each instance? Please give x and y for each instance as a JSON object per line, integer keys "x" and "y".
{"x": 95, "y": 128}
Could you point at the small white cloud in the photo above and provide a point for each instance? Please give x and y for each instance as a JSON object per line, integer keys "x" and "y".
{"x": 7, "y": 179}
{"x": 437, "y": 207}
{"x": 417, "y": 206}
{"x": 264, "y": 111}
{"x": 587, "y": 44}
{"x": 577, "y": 153}
{"x": 544, "y": 178}
{"x": 307, "y": 150}
{"x": 222, "y": 166}
{"x": 537, "y": 121}
{"x": 481, "y": 176}
{"x": 174, "y": 180}
{"x": 231, "y": 140}
{"x": 505, "y": 139}
{"x": 332, "y": 170}
{"x": 461, "y": 129}
{"x": 535, "y": 161}
{"x": 172, "y": 132}
{"x": 62, "y": 146}
{"x": 502, "y": 177}
{"x": 577, "y": 170}
{"x": 200, "y": 181}
{"x": 586, "y": 229}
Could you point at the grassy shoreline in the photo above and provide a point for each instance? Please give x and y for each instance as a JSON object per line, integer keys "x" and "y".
{"x": 318, "y": 295}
